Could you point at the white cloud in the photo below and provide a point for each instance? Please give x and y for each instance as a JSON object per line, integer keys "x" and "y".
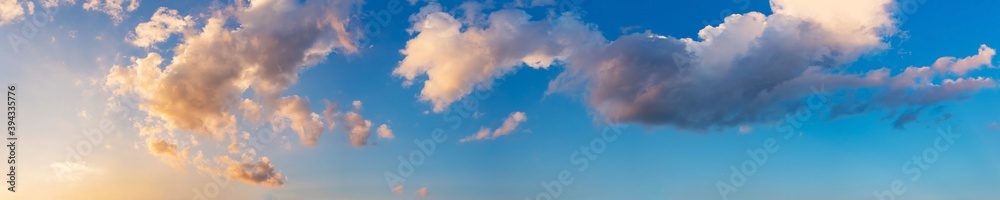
{"x": 508, "y": 41}
{"x": 357, "y": 105}
{"x": 12, "y": 11}
{"x": 54, "y": 3}
{"x": 114, "y": 8}
{"x": 159, "y": 27}
{"x": 509, "y": 125}
{"x": 385, "y": 133}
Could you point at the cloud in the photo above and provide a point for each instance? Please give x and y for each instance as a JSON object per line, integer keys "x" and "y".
{"x": 752, "y": 68}
{"x": 212, "y": 68}
{"x": 13, "y": 11}
{"x": 509, "y": 125}
{"x": 330, "y": 113}
{"x": 159, "y": 27}
{"x": 252, "y": 111}
{"x": 261, "y": 47}
{"x": 422, "y": 192}
{"x": 744, "y": 129}
{"x": 160, "y": 147}
{"x": 114, "y": 8}
{"x": 303, "y": 121}
{"x": 357, "y": 105}
{"x": 54, "y": 3}
{"x": 385, "y": 133}
{"x": 358, "y": 128}
{"x": 398, "y": 189}
{"x": 260, "y": 172}
{"x": 508, "y": 41}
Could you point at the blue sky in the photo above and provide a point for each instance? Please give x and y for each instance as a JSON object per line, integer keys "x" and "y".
{"x": 664, "y": 150}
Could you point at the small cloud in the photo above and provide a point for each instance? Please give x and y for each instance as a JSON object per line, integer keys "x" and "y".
{"x": 746, "y": 129}
{"x": 385, "y": 133}
{"x": 70, "y": 171}
{"x": 357, "y": 105}
{"x": 509, "y": 125}
{"x": 398, "y": 189}
{"x": 163, "y": 148}
{"x": 422, "y": 192}
{"x": 259, "y": 173}
{"x": 995, "y": 126}
{"x": 358, "y": 128}
{"x": 330, "y": 113}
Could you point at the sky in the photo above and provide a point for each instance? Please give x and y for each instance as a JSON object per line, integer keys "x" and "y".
{"x": 516, "y": 99}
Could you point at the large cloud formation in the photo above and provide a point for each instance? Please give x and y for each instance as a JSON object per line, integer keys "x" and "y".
{"x": 203, "y": 87}
{"x": 751, "y": 68}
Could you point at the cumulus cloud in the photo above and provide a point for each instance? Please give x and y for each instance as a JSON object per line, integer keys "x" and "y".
{"x": 12, "y": 11}
{"x": 260, "y": 172}
{"x": 358, "y": 128}
{"x": 260, "y": 46}
{"x": 751, "y": 68}
{"x": 509, "y": 125}
{"x": 486, "y": 53}
{"x": 114, "y": 8}
{"x": 385, "y": 133}
{"x": 159, "y": 27}
{"x": 212, "y": 68}
{"x": 302, "y": 120}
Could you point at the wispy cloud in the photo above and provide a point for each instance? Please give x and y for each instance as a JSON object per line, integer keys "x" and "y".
{"x": 509, "y": 125}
